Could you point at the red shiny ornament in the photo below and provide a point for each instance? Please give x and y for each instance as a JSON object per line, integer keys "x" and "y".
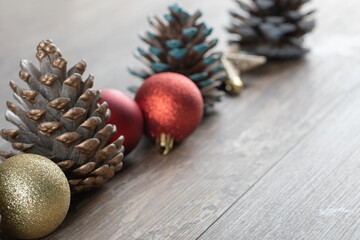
{"x": 171, "y": 104}
{"x": 126, "y": 116}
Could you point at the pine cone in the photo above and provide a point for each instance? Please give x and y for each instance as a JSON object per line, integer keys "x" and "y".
{"x": 60, "y": 117}
{"x": 272, "y": 28}
{"x": 179, "y": 45}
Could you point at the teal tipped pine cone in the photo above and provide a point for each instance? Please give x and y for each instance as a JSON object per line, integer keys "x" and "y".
{"x": 179, "y": 44}
{"x": 272, "y": 28}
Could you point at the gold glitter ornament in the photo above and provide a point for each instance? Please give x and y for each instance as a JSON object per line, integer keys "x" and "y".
{"x": 34, "y": 196}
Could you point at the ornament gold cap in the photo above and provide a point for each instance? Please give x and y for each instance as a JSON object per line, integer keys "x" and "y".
{"x": 164, "y": 143}
{"x": 233, "y": 84}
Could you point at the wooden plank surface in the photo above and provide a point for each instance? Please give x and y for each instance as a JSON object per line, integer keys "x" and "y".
{"x": 185, "y": 194}
{"x": 313, "y": 193}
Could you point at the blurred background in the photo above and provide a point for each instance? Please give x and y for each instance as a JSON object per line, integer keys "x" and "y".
{"x": 104, "y": 33}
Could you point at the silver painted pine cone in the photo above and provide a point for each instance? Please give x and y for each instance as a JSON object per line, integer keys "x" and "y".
{"x": 60, "y": 117}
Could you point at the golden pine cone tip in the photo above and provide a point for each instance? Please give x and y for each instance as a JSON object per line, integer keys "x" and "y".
{"x": 180, "y": 45}
{"x": 47, "y": 47}
{"x": 60, "y": 117}
{"x": 274, "y": 29}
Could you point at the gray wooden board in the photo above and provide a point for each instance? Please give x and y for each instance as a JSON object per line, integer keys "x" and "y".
{"x": 313, "y": 193}
{"x": 183, "y": 194}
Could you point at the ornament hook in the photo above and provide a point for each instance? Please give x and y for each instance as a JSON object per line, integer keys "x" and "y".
{"x": 164, "y": 143}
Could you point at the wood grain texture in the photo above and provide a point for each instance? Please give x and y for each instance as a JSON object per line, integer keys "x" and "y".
{"x": 180, "y": 196}
{"x": 313, "y": 193}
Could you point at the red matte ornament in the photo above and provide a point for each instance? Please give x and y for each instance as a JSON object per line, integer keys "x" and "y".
{"x": 172, "y": 107}
{"x": 126, "y": 116}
